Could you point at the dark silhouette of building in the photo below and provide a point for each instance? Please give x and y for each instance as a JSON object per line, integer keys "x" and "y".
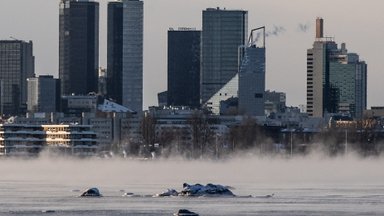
{"x": 184, "y": 67}
{"x": 17, "y": 63}
{"x": 115, "y": 51}
{"x": 78, "y": 46}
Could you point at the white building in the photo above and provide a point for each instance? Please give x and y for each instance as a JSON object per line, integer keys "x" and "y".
{"x": 30, "y": 140}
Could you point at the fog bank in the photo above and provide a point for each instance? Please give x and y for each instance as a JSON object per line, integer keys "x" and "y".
{"x": 259, "y": 172}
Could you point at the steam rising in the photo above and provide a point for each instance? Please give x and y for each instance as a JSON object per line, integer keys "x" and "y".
{"x": 303, "y": 27}
{"x": 171, "y": 173}
{"x": 276, "y": 31}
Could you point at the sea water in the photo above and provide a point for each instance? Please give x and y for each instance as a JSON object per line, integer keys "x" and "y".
{"x": 302, "y": 186}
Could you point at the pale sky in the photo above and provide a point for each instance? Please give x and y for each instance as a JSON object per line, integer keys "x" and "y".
{"x": 358, "y": 23}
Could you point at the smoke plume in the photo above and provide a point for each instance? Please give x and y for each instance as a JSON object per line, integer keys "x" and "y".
{"x": 303, "y": 27}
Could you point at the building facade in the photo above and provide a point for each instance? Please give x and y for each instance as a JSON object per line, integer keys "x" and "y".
{"x": 252, "y": 78}
{"x": 76, "y": 105}
{"x": 275, "y": 102}
{"x": 223, "y": 32}
{"x": 43, "y": 94}
{"x": 348, "y": 84}
{"x": 30, "y": 140}
{"x": 132, "y": 77}
{"x": 184, "y": 67}
{"x": 16, "y": 65}
{"x": 102, "y": 85}
{"x": 78, "y": 46}
{"x": 115, "y": 51}
{"x": 336, "y": 79}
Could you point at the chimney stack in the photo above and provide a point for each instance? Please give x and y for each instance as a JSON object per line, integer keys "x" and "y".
{"x": 319, "y": 27}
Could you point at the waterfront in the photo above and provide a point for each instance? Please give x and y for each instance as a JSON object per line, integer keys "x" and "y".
{"x": 303, "y": 186}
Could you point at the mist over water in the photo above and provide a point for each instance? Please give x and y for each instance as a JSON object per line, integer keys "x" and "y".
{"x": 310, "y": 185}
{"x": 166, "y": 173}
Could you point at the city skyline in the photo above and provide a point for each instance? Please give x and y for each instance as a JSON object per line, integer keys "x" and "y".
{"x": 286, "y": 50}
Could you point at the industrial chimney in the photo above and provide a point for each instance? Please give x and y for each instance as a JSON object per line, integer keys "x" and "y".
{"x": 319, "y": 27}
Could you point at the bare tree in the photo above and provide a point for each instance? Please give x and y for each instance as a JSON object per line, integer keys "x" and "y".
{"x": 148, "y": 132}
{"x": 245, "y": 135}
{"x": 201, "y": 134}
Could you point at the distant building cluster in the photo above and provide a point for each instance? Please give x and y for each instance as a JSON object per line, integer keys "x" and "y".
{"x": 336, "y": 79}
{"x": 216, "y": 87}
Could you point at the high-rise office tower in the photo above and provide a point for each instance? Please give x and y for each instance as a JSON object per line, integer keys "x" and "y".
{"x": 336, "y": 79}
{"x": 43, "y": 94}
{"x": 184, "y": 67}
{"x": 223, "y": 32}
{"x": 252, "y": 77}
{"x": 132, "y": 76}
{"x": 115, "y": 51}
{"x": 78, "y": 46}
{"x": 17, "y": 63}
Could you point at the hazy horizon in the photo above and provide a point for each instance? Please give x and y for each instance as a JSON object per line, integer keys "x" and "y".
{"x": 357, "y": 23}
{"x": 172, "y": 173}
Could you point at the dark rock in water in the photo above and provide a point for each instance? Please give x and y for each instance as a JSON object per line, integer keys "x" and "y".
{"x": 128, "y": 194}
{"x": 169, "y": 192}
{"x": 47, "y": 211}
{"x": 266, "y": 196}
{"x": 207, "y": 190}
{"x": 92, "y": 192}
{"x": 185, "y": 212}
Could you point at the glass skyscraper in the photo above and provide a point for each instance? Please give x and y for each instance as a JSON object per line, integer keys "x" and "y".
{"x": 132, "y": 76}
{"x": 115, "y": 51}
{"x": 184, "y": 67}
{"x": 78, "y": 46}
{"x": 17, "y": 63}
{"x": 252, "y": 81}
{"x": 223, "y": 32}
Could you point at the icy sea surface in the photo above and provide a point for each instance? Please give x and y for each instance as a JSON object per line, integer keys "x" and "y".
{"x": 304, "y": 186}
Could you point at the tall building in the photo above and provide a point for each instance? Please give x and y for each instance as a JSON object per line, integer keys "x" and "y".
{"x": 132, "y": 77}
{"x": 275, "y": 102}
{"x": 184, "y": 67}
{"x": 43, "y": 94}
{"x": 78, "y": 46}
{"x": 17, "y": 63}
{"x": 252, "y": 77}
{"x": 223, "y": 32}
{"x": 115, "y": 51}
{"x": 336, "y": 79}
